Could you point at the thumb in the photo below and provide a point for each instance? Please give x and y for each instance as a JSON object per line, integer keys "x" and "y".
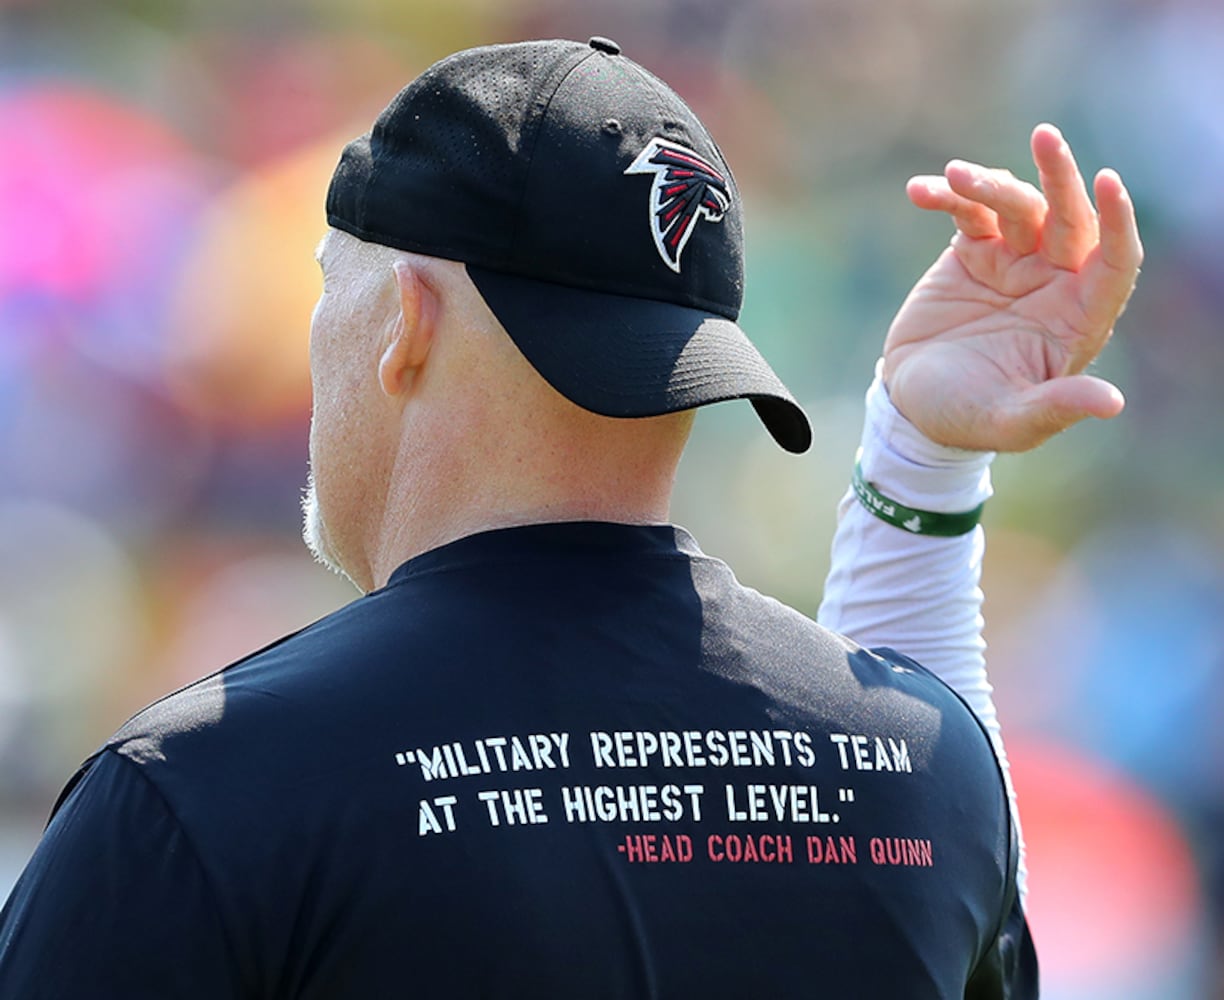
{"x": 1080, "y": 396}
{"x": 1054, "y": 405}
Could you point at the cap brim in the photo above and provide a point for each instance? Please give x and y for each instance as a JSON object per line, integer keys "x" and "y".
{"x": 622, "y": 356}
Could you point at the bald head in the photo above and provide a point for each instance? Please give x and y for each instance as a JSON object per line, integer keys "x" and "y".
{"x": 429, "y": 424}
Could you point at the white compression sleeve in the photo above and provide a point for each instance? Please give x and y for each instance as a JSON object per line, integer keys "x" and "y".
{"x": 918, "y": 594}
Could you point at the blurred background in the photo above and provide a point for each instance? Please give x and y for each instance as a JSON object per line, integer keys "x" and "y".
{"x": 162, "y": 171}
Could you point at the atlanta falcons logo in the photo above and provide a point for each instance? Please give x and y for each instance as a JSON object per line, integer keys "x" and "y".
{"x": 685, "y": 188}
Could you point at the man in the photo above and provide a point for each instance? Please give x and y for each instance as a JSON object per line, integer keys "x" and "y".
{"x": 555, "y": 750}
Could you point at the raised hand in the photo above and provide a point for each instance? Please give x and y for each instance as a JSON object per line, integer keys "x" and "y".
{"x": 987, "y": 351}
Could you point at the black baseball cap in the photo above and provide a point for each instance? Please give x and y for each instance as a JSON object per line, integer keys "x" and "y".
{"x": 594, "y": 213}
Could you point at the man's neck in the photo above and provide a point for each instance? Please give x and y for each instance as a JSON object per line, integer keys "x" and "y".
{"x": 423, "y": 527}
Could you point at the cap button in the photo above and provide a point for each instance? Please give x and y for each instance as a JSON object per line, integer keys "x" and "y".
{"x": 601, "y": 44}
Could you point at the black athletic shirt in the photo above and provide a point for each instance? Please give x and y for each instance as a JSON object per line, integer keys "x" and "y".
{"x": 574, "y": 760}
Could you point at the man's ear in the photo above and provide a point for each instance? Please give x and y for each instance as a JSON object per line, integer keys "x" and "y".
{"x": 412, "y": 336}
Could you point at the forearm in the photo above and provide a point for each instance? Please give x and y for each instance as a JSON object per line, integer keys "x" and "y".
{"x": 918, "y": 594}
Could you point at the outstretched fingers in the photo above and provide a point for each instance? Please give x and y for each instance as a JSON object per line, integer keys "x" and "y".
{"x": 1071, "y": 227}
{"x": 984, "y": 203}
{"x": 935, "y": 194}
{"x": 1019, "y": 208}
{"x": 1058, "y": 218}
{"x": 1112, "y": 268}
{"x": 1120, "y": 244}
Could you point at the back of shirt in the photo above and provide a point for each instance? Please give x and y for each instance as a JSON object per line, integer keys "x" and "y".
{"x": 566, "y": 760}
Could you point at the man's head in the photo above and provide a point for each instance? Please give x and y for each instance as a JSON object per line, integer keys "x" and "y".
{"x": 593, "y": 211}
{"x": 585, "y": 207}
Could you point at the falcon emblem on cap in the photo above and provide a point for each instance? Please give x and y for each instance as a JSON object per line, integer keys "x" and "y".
{"x": 686, "y": 188}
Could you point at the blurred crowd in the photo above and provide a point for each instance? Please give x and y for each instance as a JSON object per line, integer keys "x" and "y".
{"x": 162, "y": 171}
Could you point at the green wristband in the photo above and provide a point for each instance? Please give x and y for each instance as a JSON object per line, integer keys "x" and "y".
{"x": 917, "y": 522}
